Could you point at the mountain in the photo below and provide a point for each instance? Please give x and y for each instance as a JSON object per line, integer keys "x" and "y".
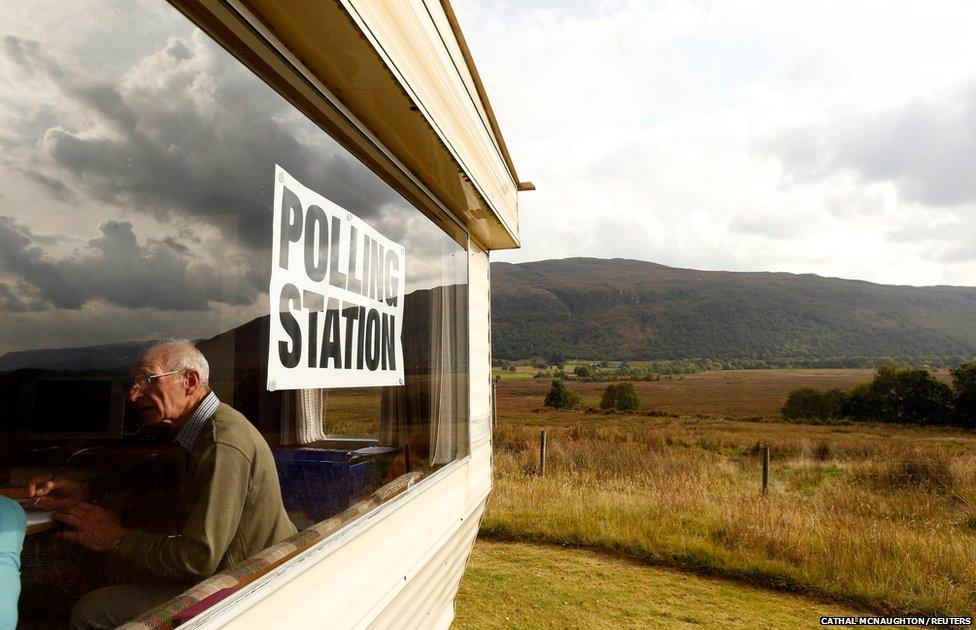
{"x": 104, "y": 357}
{"x": 628, "y": 309}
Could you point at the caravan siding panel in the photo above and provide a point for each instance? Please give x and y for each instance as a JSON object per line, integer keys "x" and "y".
{"x": 428, "y": 601}
{"x": 351, "y": 581}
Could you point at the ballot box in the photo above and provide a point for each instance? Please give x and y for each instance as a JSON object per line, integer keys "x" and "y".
{"x": 318, "y": 483}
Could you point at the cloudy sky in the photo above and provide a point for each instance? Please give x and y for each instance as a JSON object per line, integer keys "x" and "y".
{"x": 137, "y": 163}
{"x": 836, "y": 138}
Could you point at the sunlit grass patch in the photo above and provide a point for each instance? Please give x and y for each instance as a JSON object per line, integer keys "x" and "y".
{"x": 515, "y": 585}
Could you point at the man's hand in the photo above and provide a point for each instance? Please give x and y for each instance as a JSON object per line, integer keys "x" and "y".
{"x": 94, "y": 528}
{"x": 56, "y": 494}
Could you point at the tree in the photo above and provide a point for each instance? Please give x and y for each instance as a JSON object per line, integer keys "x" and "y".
{"x": 909, "y": 394}
{"x": 582, "y": 371}
{"x": 964, "y": 393}
{"x": 557, "y": 358}
{"x": 561, "y": 398}
{"x": 620, "y": 396}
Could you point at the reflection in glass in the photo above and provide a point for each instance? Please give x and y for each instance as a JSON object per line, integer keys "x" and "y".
{"x": 136, "y": 163}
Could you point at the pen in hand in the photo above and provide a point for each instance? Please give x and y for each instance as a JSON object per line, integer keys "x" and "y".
{"x": 57, "y": 473}
{"x": 54, "y": 477}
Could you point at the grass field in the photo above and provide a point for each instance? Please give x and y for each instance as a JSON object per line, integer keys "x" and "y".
{"x": 517, "y": 585}
{"x": 727, "y": 393}
{"x": 878, "y": 516}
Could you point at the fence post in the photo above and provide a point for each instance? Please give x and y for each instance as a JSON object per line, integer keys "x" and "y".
{"x": 765, "y": 468}
{"x": 542, "y": 453}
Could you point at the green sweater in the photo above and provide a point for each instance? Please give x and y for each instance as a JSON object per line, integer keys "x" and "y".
{"x": 234, "y": 501}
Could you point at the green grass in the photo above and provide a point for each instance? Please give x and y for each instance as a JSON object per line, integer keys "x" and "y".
{"x": 521, "y": 372}
{"x": 517, "y": 585}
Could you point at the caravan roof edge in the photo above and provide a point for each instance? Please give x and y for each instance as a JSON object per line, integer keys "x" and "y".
{"x": 398, "y": 70}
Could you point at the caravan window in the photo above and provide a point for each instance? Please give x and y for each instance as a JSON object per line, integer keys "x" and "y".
{"x": 139, "y": 167}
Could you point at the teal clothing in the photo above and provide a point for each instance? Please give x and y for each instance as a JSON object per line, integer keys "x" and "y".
{"x": 13, "y": 524}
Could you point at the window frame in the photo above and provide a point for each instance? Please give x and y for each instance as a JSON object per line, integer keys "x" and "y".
{"x": 232, "y": 27}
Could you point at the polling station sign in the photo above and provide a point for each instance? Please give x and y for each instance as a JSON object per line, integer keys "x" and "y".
{"x": 336, "y": 295}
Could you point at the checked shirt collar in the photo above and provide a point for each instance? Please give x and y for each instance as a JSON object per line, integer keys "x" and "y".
{"x": 191, "y": 429}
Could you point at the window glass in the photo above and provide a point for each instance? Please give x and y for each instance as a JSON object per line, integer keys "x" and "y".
{"x": 137, "y": 170}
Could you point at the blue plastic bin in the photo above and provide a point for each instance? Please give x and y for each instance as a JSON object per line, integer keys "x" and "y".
{"x": 321, "y": 483}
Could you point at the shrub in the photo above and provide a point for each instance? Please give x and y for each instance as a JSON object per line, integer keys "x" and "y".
{"x": 561, "y": 398}
{"x": 620, "y": 396}
{"x": 822, "y": 452}
{"x": 810, "y": 403}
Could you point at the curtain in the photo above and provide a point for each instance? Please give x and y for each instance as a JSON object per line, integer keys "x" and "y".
{"x": 301, "y": 416}
{"x": 427, "y": 414}
{"x": 443, "y": 395}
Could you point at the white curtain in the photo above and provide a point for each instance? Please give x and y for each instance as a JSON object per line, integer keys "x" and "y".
{"x": 443, "y": 385}
{"x": 301, "y": 417}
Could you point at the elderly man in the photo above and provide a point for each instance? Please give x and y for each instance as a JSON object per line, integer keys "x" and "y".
{"x": 234, "y": 496}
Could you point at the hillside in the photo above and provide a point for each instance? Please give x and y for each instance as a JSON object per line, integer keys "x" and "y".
{"x": 628, "y": 309}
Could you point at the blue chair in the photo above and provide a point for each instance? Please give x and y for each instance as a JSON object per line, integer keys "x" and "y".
{"x": 13, "y": 524}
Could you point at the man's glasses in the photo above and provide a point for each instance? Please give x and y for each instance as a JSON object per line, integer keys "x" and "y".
{"x": 145, "y": 381}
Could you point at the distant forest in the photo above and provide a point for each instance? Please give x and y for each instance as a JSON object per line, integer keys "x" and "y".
{"x": 598, "y": 309}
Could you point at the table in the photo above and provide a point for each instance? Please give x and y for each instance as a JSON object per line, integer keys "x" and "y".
{"x": 38, "y": 521}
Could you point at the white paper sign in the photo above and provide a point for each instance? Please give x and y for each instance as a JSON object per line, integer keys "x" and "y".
{"x": 336, "y": 296}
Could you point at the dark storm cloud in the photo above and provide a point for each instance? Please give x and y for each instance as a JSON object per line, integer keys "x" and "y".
{"x": 189, "y": 132}
{"x": 116, "y": 269}
{"x": 926, "y": 148}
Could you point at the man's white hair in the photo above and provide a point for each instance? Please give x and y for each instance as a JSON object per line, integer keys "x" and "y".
{"x": 183, "y": 355}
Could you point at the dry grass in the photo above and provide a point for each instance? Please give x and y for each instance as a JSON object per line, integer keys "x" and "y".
{"x": 872, "y": 515}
